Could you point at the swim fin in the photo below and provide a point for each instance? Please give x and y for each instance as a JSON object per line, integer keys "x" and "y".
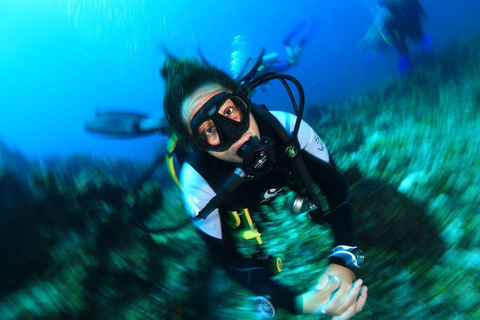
{"x": 251, "y": 67}
{"x": 311, "y": 32}
{"x": 294, "y": 32}
{"x": 124, "y": 125}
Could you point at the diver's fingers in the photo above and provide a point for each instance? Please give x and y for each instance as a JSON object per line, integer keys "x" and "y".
{"x": 362, "y": 299}
{"x": 355, "y": 307}
{"x": 350, "y": 312}
{"x": 345, "y": 294}
{"x": 352, "y": 295}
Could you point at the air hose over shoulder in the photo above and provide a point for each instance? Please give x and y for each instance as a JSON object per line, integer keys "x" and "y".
{"x": 288, "y": 142}
{"x": 297, "y": 161}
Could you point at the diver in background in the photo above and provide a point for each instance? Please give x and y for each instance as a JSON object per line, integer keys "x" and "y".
{"x": 271, "y": 62}
{"x": 118, "y": 124}
{"x": 396, "y": 22}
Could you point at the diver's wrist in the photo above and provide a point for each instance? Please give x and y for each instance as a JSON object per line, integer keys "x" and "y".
{"x": 298, "y": 304}
{"x": 347, "y": 256}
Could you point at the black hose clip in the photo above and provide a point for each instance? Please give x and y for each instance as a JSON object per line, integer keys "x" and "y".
{"x": 258, "y": 156}
{"x": 269, "y": 262}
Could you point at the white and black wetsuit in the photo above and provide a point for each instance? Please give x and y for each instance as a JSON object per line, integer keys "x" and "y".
{"x": 200, "y": 177}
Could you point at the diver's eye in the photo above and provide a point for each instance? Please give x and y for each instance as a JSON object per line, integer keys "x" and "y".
{"x": 209, "y": 131}
{"x": 229, "y": 111}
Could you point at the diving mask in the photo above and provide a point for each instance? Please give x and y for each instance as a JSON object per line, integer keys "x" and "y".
{"x": 221, "y": 121}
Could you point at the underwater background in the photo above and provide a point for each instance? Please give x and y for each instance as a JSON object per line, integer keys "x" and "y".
{"x": 408, "y": 143}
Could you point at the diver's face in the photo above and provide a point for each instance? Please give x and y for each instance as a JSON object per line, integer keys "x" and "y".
{"x": 196, "y": 100}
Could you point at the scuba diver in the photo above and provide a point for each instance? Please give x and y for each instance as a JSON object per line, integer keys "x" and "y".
{"x": 116, "y": 124}
{"x": 239, "y": 157}
{"x": 271, "y": 62}
{"x": 395, "y": 23}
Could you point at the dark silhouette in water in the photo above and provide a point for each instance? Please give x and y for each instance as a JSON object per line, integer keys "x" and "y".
{"x": 397, "y": 22}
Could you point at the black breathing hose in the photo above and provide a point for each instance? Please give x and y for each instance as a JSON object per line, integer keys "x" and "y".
{"x": 298, "y": 162}
{"x": 282, "y": 77}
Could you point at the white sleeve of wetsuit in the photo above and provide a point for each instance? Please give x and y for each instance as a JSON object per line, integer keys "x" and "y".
{"x": 308, "y": 139}
{"x": 196, "y": 194}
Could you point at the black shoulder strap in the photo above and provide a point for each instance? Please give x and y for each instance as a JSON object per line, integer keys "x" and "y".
{"x": 264, "y": 119}
{"x": 215, "y": 172}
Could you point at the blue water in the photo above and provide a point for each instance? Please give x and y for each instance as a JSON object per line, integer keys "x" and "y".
{"x": 61, "y": 60}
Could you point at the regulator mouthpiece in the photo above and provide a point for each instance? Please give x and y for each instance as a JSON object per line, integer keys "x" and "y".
{"x": 258, "y": 157}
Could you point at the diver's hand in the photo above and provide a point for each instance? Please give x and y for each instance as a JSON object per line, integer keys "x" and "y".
{"x": 349, "y": 298}
{"x": 312, "y": 301}
{"x": 334, "y": 294}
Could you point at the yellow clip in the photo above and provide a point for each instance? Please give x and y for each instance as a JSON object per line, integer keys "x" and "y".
{"x": 172, "y": 143}
{"x": 236, "y": 218}
{"x": 250, "y": 223}
{"x": 250, "y": 234}
{"x": 278, "y": 264}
